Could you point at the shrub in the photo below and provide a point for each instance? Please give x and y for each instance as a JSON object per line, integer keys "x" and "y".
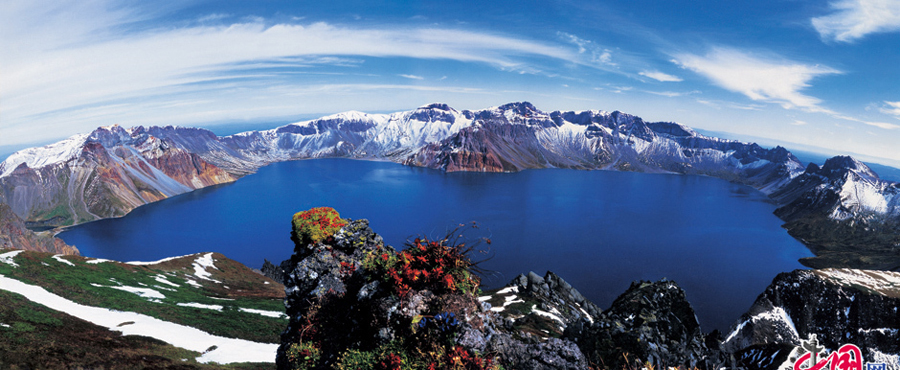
{"x": 303, "y": 355}
{"x": 425, "y": 264}
{"x": 316, "y": 225}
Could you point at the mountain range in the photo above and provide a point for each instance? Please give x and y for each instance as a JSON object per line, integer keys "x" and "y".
{"x": 112, "y": 170}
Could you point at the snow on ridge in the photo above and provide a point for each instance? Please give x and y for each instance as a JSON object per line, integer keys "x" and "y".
{"x": 228, "y": 350}
{"x": 146, "y": 263}
{"x": 202, "y": 265}
{"x": 60, "y": 151}
{"x": 7, "y": 257}
{"x": 884, "y": 282}
{"x": 775, "y": 315}
{"x": 98, "y": 260}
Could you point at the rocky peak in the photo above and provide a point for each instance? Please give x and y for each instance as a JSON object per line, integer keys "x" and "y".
{"x": 436, "y": 112}
{"x": 837, "y": 166}
{"x": 838, "y": 306}
{"x": 651, "y": 321}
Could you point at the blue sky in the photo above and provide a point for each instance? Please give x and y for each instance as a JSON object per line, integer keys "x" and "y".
{"x": 820, "y": 74}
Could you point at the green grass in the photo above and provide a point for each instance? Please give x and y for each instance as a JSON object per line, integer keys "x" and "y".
{"x": 79, "y": 283}
{"x": 34, "y": 336}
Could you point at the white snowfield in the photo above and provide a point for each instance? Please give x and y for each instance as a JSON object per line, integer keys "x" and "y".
{"x": 8, "y": 257}
{"x": 228, "y": 350}
{"x": 884, "y": 282}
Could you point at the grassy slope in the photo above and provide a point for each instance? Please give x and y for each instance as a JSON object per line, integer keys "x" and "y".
{"x": 37, "y": 337}
{"x": 89, "y": 284}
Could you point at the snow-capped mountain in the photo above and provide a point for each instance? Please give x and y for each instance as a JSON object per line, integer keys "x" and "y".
{"x": 843, "y": 188}
{"x": 106, "y": 173}
{"x": 112, "y": 170}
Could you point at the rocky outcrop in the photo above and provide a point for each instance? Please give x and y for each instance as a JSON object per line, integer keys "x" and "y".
{"x": 337, "y": 302}
{"x": 14, "y": 235}
{"x": 838, "y": 306}
{"x": 649, "y": 323}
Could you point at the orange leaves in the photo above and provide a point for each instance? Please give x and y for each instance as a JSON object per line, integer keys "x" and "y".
{"x": 426, "y": 264}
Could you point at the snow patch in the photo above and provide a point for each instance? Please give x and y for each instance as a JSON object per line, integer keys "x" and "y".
{"x": 7, "y": 258}
{"x": 553, "y": 314}
{"x": 201, "y": 305}
{"x": 162, "y": 279}
{"x": 274, "y": 314}
{"x": 59, "y": 258}
{"x": 143, "y": 292}
{"x": 228, "y": 350}
{"x": 98, "y": 260}
{"x": 193, "y": 283}
{"x": 202, "y": 265}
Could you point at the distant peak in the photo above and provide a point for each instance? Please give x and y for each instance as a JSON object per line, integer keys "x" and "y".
{"x": 843, "y": 162}
{"x": 437, "y": 106}
{"x": 519, "y": 108}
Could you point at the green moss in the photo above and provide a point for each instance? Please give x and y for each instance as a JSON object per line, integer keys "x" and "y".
{"x": 315, "y": 225}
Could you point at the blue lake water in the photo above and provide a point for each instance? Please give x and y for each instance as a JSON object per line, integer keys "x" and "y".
{"x": 599, "y": 230}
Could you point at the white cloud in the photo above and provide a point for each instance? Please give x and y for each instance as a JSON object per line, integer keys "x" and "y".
{"x": 72, "y": 56}
{"x": 762, "y": 79}
{"x": 854, "y": 19}
{"x": 412, "y": 77}
{"x": 597, "y": 55}
{"x": 798, "y": 122}
{"x": 659, "y": 76}
{"x": 892, "y": 108}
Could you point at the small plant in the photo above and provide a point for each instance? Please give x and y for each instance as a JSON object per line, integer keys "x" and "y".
{"x": 316, "y": 225}
{"x": 303, "y": 355}
{"x": 426, "y": 264}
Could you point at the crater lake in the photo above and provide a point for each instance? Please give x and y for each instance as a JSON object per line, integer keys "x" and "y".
{"x": 598, "y": 230}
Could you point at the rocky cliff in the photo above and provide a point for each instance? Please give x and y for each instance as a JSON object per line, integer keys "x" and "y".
{"x": 837, "y": 306}
{"x": 101, "y": 175}
{"x": 14, "y": 235}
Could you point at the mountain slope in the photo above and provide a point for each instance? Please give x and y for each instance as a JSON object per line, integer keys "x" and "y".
{"x": 104, "y": 174}
{"x": 193, "y": 302}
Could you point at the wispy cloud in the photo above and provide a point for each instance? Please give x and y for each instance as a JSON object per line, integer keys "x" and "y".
{"x": 659, "y": 76}
{"x": 412, "y": 77}
{"x": 892, "y": 108}
{"x": 596, "y": 54}
{"x": 85, "y": 62}
{"x": 766, "y": 79}
{"x": 854, "y": 19}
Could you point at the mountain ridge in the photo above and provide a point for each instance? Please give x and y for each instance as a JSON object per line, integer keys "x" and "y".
{"x": 112, "y": 170}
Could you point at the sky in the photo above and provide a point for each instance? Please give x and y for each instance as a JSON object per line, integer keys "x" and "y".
{"x": 821, "y": 74}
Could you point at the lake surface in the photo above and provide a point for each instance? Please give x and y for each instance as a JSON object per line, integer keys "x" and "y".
{"x": 599, "y": 230}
